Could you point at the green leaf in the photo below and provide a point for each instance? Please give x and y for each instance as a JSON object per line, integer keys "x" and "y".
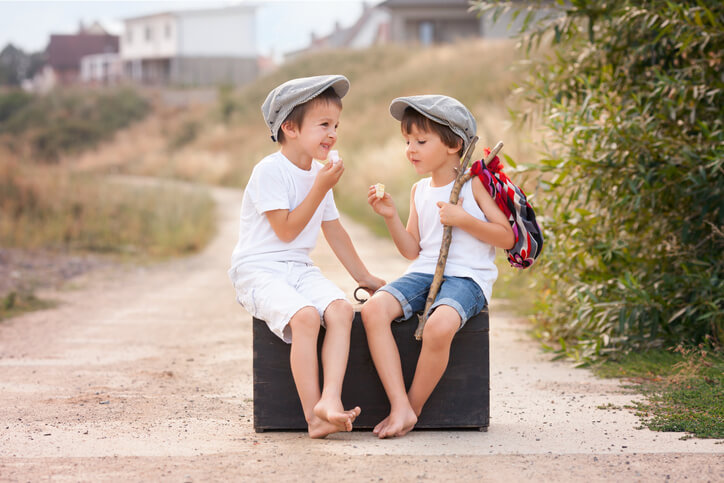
{"x": 678, "y": 314}
{"x": 697, "y": 19}
{"x": 510, "y": 161}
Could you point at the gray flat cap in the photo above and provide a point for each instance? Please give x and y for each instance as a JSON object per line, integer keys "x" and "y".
{"x": 282, "y": 99}
{"x": 441, "y": 109}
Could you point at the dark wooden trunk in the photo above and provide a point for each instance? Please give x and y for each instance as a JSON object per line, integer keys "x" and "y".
{"x": 461, "y": 399}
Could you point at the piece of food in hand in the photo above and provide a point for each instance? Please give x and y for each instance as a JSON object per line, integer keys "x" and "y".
{"x": 380, "y": 191}
{"x": 333, "y": 156}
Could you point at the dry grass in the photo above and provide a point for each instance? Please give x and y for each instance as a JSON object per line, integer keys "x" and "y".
{"x": 126, "y": 148}
{"x": 50, "y": 207}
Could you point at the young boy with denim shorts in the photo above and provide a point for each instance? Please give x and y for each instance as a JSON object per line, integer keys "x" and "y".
{"x": 286, "y": 201}
{"x": 436, "y": 129}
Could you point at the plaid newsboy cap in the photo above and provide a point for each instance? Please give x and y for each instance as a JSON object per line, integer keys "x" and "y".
{"x": 443, "y": 110}
{"x": 282, "y": 99}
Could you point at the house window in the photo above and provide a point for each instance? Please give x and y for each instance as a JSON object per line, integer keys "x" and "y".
{"x": 426, "y": 33}
{"x": 129, "y": 36}
{"x": 149, "y": 34}
{"x": 168, "y": 30}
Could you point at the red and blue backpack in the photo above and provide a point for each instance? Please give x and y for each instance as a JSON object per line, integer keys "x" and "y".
{"x": 514, "y": 204}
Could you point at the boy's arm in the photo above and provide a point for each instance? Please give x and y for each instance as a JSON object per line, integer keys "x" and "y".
{"x": 496, "y": 231}
{"x": 407, "y": 239}
{"x": 342, "y": 246}
{"x": 289, "y": 224}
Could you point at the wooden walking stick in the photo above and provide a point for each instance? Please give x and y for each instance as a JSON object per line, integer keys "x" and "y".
{"x": 462, "y": 178}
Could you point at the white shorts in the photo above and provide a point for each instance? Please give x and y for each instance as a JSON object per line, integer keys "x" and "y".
{"x": 275, "y": 291}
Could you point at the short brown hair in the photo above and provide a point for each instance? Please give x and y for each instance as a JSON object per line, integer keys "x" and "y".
{"x": 297, "y": 115}
{"x": 412, "y": 117}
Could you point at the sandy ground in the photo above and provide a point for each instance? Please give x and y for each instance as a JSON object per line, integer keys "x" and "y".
{"x": 145, "y": 375}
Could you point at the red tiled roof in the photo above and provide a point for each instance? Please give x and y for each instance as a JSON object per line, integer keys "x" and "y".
{"x": 65, "y": 51}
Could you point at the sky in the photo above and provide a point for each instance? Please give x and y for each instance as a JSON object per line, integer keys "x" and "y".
{"x": 282, "y": 25}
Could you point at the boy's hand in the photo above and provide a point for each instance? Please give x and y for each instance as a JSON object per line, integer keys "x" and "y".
{"x": 451, "y": 215}
{"x": 384, "y": 206}
{"x": 329, "y": 175}
{"x": 371, "y": 283}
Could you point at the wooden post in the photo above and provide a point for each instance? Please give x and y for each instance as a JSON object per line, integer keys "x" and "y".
{"x": 462, "y": 178}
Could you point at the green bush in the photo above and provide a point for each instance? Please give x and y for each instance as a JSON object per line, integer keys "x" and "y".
{"x": 633, "y": 95}
{"x": 11, "y": 102}
{"x": 66, "y": 121}
{"x": 226, "y": 102}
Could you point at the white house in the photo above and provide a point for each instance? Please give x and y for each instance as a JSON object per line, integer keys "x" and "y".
{"x": 101, "y": 69}
{"x": 191, "y": 47}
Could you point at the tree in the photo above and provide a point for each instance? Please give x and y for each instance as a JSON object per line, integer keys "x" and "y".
{"x": 16, "y": 65}
{"x": 633, "y": 95}
{"x": 13, "y": 65}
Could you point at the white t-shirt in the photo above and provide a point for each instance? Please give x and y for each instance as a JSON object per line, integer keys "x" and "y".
{"x": 468, "y": 256}
{"x": 278, "y": 184}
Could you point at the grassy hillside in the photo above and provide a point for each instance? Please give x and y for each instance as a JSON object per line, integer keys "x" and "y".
{"x": 49, "y": 201}
{"x": 66, "y": 121}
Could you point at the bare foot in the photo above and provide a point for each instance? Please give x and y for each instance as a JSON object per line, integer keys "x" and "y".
{"x": 398, "y": 423}
{"x": 319, "y": 428}
{"x": 380, "y": 426}
{"x": 334, "y": 413}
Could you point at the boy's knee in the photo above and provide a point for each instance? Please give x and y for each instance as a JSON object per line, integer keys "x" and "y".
{"x": 339, "y": 312}
{"x": 340, "y": 309}
{"x": 441, "y": 327}
{"x": 375, "y": 313}
{"x": 306, "y": 320}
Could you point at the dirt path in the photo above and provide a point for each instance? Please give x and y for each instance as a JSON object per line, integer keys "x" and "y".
{"x": 145, "y": 375}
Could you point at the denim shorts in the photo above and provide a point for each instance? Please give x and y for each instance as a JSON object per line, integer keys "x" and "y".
{"x": 462, "y": 294}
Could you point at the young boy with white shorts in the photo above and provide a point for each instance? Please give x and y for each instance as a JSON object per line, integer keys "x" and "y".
{"x": 286, "y": 201}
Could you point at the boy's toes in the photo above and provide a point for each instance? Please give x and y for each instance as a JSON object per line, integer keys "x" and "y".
{"x": 380, "y": 426}
{"x": 353, "y": 413}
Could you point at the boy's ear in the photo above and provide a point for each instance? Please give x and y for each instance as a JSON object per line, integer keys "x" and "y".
{"x": 457, "y": 147}
{"x": 290, "y": 129}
